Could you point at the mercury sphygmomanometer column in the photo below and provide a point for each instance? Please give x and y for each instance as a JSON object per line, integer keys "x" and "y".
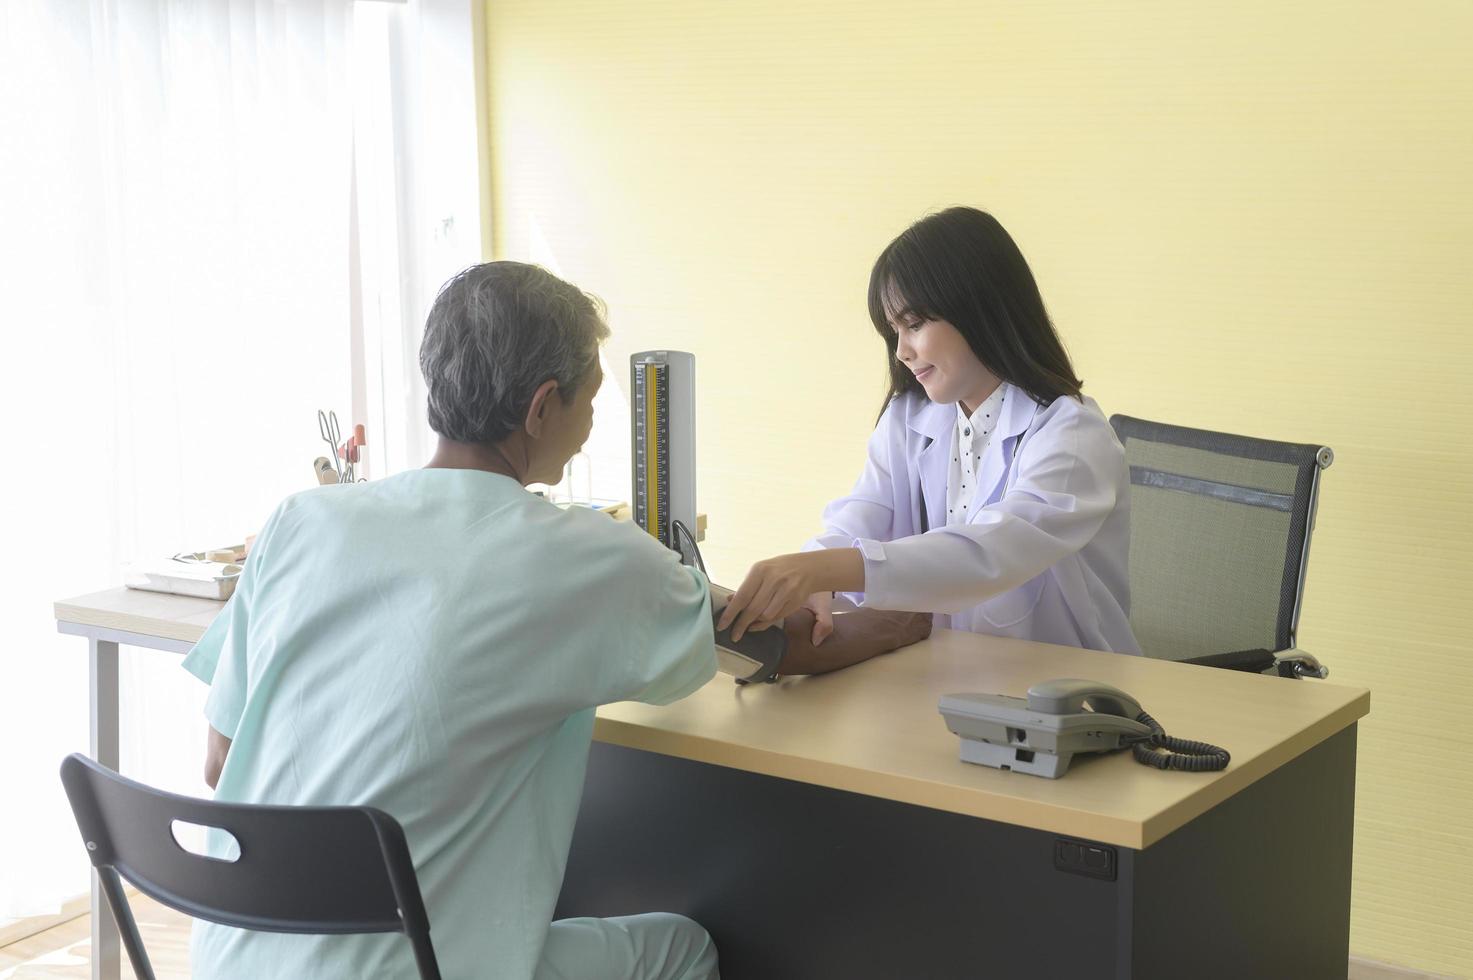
{"x": 662, "y": 390}
{"x": 662, "y": 395}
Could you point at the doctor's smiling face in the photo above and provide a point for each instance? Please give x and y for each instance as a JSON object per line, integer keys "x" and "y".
{"x": 959, "y": 311}
{"x": 941, "y": 359}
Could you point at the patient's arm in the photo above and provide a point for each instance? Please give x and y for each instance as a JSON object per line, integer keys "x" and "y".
{"x": 859, "y": 634}
{"x": 217, "y": 747}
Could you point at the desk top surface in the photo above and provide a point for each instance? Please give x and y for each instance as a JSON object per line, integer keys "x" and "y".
{"x": 875, "y": 729}
{"x": 171, "y": 617}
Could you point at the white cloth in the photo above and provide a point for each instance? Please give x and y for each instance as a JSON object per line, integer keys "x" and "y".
{"x": 969, "y": 440}
{"x": 654, "y": 946}
{"x": 1044, "y": 552}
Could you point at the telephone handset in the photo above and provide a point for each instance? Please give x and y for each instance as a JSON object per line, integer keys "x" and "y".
{"x": 1070, "y": 697}
{"x": 1041, "y": 734}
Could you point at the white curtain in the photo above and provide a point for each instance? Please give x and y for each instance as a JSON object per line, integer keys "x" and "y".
{"x": 418, "y": 203}
{"x": 175, "y": 183}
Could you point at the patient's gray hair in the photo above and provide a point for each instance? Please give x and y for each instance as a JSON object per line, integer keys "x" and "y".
{"x": 495, "y": 333}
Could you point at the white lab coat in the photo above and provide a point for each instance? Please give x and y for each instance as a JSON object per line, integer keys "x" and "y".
{"x": 1044, "y": 552}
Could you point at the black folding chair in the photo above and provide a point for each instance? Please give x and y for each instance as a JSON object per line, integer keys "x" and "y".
{"x": 1219, "y": 545}
{"x": 301, "y": 869}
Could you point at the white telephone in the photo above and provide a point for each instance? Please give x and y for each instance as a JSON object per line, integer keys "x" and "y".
{"x": 1041, "y": 734}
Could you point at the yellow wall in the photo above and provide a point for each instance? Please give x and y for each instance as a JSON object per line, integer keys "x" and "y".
{"x": 1253, "y": 217}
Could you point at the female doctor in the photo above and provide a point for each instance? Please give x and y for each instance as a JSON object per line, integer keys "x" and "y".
{"x": 995, "y": 494}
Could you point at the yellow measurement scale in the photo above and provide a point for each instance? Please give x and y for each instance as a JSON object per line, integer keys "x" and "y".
{"x": 663, "y": 430}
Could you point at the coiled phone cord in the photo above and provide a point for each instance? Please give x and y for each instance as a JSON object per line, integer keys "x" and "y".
{"x": 1160, "y": 750}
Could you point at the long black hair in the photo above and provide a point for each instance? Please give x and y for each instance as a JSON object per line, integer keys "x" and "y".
{"x": 960, "y": 265}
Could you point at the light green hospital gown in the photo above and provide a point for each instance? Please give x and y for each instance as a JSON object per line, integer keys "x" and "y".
{"x": 434, "y": 644}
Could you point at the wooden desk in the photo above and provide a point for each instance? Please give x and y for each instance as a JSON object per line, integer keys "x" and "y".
{"x": 824, "y": 826}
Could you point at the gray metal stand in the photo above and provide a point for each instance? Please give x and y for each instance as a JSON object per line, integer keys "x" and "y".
{"x": 103, "y": 671}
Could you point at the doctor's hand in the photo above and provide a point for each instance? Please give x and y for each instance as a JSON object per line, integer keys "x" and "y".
{"x": 821, "y": 604}
{"x": 777, "y": 587}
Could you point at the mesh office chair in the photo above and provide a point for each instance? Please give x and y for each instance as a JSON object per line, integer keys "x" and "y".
{"x": 301, "y": 869}
{"x": 1219, "y": 542}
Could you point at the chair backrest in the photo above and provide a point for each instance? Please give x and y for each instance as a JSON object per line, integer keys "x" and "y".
{"x": 1219, "y": 537}
{"x": 299, "y": 869}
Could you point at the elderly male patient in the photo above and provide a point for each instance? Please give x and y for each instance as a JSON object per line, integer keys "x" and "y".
{"x": 434, "y": 644}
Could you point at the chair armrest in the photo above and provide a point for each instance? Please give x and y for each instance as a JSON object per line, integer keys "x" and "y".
{"x": 1287, "y": 663}
{"x": 1254, "y": 661}
{"x": 1294, "y": 662}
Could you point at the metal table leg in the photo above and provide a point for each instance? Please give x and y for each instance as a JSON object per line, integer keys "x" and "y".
{"x": 103, "y": 668}
{"x": 102, "y": 660}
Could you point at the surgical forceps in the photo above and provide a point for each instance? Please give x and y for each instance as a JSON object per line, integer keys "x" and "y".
{"x": 327, "y": 425}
